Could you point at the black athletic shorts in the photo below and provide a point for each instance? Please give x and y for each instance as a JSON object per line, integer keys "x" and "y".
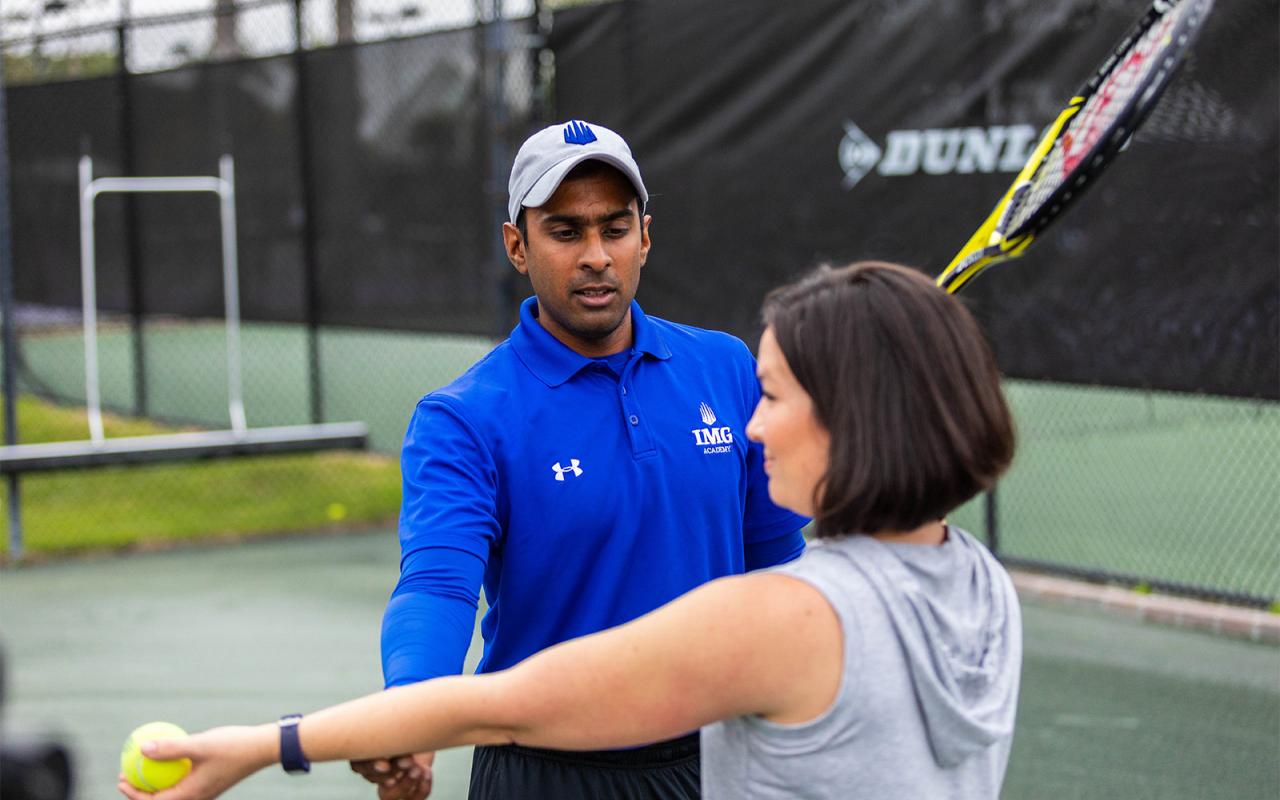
{"x": 662, "y": 771}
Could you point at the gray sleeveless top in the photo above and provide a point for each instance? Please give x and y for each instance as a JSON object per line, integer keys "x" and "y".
{"x": 925, "y": 708}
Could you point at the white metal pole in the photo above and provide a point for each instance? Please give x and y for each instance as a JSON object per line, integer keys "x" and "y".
{"x": 224, "y": 186}
{"x": 89, "y": 295}
{"x": 231, "y": 290}
{"x": 195, "y": 183}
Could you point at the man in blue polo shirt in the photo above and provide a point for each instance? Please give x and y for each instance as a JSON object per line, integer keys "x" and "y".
{"x": 590, "y": 468}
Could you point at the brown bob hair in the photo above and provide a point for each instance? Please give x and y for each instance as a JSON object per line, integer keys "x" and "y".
{"x": 903, "y": 380}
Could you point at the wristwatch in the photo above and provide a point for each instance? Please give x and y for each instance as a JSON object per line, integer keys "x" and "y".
{"x": 291, "y": 757}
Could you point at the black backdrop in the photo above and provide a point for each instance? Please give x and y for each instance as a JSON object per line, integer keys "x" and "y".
{"x": 750, "y": 123}
{"x": 1165, "y": 275}
{"x": 398, "y": 157}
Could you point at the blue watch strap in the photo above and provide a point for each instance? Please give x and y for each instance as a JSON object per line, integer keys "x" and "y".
{"x": 291, "y": 757}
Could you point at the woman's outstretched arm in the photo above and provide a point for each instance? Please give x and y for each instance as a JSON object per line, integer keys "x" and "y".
{"x": 751, "y": 644}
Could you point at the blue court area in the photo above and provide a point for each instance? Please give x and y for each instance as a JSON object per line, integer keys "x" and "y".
{"x": 1110, "y": 707}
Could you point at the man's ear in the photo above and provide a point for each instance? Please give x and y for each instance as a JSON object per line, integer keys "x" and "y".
{"x": 515, "y": 245}
{"x": 645, "y": 243}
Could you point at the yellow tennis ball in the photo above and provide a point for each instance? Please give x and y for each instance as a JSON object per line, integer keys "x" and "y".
{"x": 336, "y": 512}
{"x": 144, "y": 773}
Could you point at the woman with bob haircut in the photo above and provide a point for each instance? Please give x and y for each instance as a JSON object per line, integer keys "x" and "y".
{"x": 883, "y": 663}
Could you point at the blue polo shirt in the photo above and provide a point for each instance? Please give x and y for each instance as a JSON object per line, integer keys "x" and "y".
{"x": 581, "y": 492}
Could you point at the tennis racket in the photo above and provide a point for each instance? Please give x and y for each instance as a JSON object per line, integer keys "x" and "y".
{"x": 1089, "y": 132}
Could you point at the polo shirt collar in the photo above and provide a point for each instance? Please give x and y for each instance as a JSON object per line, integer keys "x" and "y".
{"x": 554, "y": 363}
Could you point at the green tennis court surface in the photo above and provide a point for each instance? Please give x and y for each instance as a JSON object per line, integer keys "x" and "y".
{"x": 1110, "y": 707}
{"x": 1173, "y": 487}
{"x": 372, "y": 376}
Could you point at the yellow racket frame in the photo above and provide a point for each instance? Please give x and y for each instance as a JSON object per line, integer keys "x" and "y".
{"x": 989, "y": 245}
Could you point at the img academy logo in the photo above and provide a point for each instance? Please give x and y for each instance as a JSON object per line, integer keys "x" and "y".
{"x": 712, "y": 439}
{"x": 935, "y": 151}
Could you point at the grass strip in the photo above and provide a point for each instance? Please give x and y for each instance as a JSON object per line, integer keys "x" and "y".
{"x": 153, "y": 506}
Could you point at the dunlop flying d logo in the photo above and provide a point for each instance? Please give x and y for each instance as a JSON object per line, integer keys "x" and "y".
{"x": 574, "y": 469}
{"x": 858, "y": 154}
{"x": 710, "y": 438}
{"x": 935, "y": 151}
{"x": 578, "y": 133}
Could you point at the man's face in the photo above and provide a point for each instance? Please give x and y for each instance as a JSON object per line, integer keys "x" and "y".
{"x": 583, "y": 255}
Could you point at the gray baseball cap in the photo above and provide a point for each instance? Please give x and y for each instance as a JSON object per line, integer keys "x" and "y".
{"x": 548, "y": 155}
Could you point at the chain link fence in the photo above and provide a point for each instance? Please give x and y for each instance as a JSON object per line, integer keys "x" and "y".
{"x": 48, "y": 40}
{"x": 1158, "y": 490}
{"x": 371, "y": 140}
{"x": 370, "y": 143}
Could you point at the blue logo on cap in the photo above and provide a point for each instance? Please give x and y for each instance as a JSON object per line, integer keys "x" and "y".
{"x": 578, "y": 133}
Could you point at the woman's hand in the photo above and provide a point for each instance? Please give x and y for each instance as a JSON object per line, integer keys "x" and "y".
{"x": 220, "y": 758}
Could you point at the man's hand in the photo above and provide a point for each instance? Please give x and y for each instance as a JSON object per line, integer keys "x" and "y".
{"x": 406, "y": 777}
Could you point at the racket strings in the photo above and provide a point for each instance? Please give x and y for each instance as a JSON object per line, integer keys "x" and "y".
{"x": 1081, "y": 137}
{"x": 1094, "y": 127}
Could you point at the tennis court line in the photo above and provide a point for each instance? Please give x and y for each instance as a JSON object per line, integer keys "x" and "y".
{"x": 1249, "y": 623}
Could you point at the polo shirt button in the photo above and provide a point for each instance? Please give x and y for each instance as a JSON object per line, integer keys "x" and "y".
{"x": 624, "y": 390}
{"x": 634, "y": 419}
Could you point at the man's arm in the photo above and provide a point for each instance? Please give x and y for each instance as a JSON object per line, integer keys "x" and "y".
{"x": 771, "y": 552}
{"x": 428, "y": 623}
{"x": 447, "y": 524}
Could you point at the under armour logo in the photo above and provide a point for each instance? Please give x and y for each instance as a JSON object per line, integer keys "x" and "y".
{"x": 578, "y": 133}
{"x": 573, "y": 467}
{"x": 708, "y": 416}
